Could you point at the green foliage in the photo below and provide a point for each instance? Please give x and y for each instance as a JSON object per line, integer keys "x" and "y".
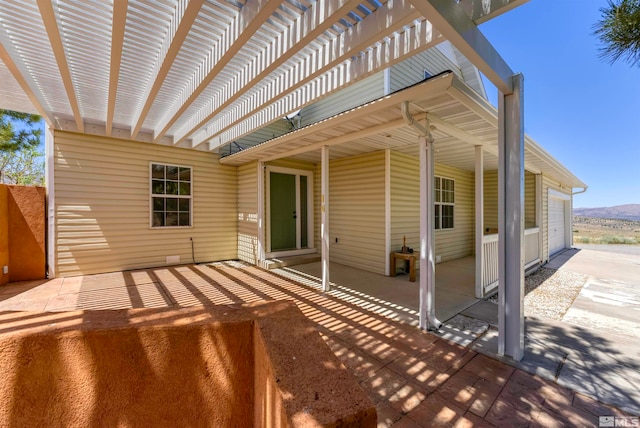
{"x": 619, "y": 31}
{"x": 607, "y": 240}
{"x": 24, "y": 167}
{"x": 12, "y": 139}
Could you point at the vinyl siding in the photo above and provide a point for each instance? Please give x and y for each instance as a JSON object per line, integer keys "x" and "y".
{"x": 529, "y": 200}
{"x": 491, "y": 200}
{"x": 275, "y": 129}
{"x": 357, "y": 94}
{"x": 548, "y": 183}
{"x": 411, "y": 71}
{"x": 102, "y": 206}
{"x": 248, "y": 212}
{"x": 405, "y": 208}
{"x": 356, "y": 211}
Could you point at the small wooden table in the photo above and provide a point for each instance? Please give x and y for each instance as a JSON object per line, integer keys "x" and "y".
{"x": 412, "y": 263}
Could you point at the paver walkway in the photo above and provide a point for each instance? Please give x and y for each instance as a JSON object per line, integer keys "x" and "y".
{"x": 414, "y": 378}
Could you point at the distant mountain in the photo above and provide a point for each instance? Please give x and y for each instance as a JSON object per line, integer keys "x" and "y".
{"x": 626, "y": 212}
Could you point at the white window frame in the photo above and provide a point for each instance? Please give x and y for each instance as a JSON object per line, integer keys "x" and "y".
{"x": 438, "y": 204}
{"x": 152, "y": 195}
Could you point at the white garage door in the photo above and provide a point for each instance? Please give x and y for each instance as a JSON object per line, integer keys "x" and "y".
{"x": 556, "y": 225}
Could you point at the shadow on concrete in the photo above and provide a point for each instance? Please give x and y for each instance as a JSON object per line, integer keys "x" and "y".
{"x": 577, "y": 358}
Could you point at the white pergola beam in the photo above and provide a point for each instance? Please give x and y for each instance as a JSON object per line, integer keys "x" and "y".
{"x": 313, "y": 22}
{"x": 118, "y": 25}
{"x": 511, "y": 221}
{"x": 251, "y": 17}
{"x": 483, "y": 10}
{"x": 462, "y": 32}
{"x": 25, "y": 81}
{"x": 331, "y": 70}
{"x": 175, "y": 41}
{"x": 51, "y": 26}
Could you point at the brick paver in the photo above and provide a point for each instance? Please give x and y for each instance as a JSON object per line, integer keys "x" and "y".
{"x": 414, "y": 378}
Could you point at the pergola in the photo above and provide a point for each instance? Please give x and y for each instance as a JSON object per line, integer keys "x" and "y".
{"x": 203, "y": 73}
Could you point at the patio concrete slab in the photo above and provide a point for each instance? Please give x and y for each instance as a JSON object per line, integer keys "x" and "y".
{"x": 454, "y": 287}
{"x": 414, "y": 378}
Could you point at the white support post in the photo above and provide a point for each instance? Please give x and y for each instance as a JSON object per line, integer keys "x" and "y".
{"x": 511, "y": 221}
{"x": 51, "y": 202}
{"x": 428, "y": 318}
{"x": 260, "y": 215}
{"x": 479, "y": 221}
{"x": 324, "y": 210}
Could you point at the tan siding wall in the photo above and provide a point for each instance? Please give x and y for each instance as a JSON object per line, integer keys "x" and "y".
{"x": 102, "y": 206}
{"x": 548, "y": 183}
{"x": 248, "y": 212}
{"x": 357, "y": 94}
{"x": 491, "y": 200}
{"x": 529, "y": 200}
{"x": 356, "y": 211}
{"x": 405, "y": 208}
{"x": 411, "y": 71}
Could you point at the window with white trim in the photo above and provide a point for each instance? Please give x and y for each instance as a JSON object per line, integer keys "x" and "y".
{"x": 171, "y": 195}
{"x": 444, "y": 202}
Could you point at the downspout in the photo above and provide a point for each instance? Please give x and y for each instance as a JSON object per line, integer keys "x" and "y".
{"x": 426, "y": 138}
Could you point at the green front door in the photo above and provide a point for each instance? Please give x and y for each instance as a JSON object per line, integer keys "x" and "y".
{"x": 283, "y": 211}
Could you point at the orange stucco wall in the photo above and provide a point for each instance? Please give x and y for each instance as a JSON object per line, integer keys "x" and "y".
{"x": 256, "y": 365}
{"x": 22, "y": 247}
{"x": 4, "y": 233}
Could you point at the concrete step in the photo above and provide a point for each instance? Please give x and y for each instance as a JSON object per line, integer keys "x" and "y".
{"x": 281, "y": 262}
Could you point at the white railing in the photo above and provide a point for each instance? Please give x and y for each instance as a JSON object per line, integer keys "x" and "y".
{"x": 490, "y": 262}
{"x": 490, "y": 256}
{"x": 531, "y": 247}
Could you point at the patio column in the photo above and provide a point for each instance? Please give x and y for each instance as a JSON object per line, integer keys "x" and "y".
{"x": 324, "y": 217}
{"x": 428, "y": 318}
{"x": 511, "y": 220}
{"x": 479, "y": 170}
{"x": 260, "y": 215}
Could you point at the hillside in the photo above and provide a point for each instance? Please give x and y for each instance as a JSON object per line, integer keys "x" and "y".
{"x": 626, "y": 212}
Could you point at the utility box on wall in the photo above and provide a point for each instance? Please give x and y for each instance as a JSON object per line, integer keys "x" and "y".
{"x": 22, "y": 233}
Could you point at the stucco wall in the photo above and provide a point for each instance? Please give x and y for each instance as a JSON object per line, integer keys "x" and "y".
{"x": 22, "y": 233}
{"x": 4, "y": 233}
{"x": 215, "y": 366}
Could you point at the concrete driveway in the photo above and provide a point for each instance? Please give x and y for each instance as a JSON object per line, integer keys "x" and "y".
{"x": 610, "y": 299}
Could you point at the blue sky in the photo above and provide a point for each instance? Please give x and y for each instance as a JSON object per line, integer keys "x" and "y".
{"x": 582, "y": 110}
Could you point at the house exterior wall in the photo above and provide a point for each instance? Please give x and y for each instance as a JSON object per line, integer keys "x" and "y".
{"x": 367, "y": 89}
{"x": 356, "y": 211}
{"x": 102, "y": 206}
{"x": 411, "y": 71}
{"x": 248, "y": 212}
{"x": 491, "y": 200}
{"x": 405, "y": 208}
